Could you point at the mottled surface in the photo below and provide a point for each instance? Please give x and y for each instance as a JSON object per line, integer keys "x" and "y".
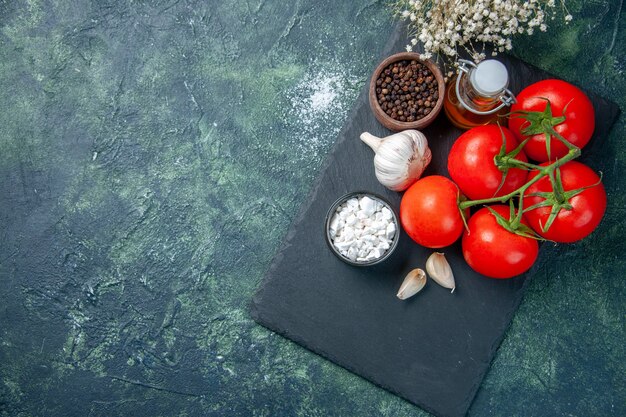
{"x": 152, "y": 156}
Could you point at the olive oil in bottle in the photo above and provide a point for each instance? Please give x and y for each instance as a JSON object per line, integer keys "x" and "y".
{"x": 478, "y": 94}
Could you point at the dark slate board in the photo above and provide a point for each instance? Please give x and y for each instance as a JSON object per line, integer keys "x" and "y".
{"x": 432, "y": 349}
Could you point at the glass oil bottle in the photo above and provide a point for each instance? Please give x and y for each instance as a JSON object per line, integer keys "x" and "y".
{"x": 478, "y": 94}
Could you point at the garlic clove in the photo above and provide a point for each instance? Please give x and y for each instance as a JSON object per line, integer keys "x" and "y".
{"x": 440, "y": 271}
{"x": 412, "y": 284}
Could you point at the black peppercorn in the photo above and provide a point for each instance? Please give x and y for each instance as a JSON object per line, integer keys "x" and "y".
{"x": 407, "y": 90}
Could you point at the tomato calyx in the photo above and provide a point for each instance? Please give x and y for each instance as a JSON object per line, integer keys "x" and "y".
{"x": 538, "y": 122}
{"x": 558, "y": 198}
{"x": 542, "y": 122}
{"x": 514, "y": 223}
{"x": 505, "y": 161}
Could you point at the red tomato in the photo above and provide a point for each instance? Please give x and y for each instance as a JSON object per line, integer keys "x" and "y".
{"x": 565, "y": 100}
{"x": 587, "y": 207}
{"x": 493, "y": 251}
{"x": 429, "y": 213}
{"x": 471, "y": 162}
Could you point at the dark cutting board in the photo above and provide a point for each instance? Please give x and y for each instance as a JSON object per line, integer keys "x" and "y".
{"x": 432, "y": 349}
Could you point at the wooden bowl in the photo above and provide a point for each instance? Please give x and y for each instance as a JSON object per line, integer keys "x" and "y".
{"x": 397, "y": 125}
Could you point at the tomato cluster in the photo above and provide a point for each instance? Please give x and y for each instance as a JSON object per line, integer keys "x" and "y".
{"x": 556, "y": 199}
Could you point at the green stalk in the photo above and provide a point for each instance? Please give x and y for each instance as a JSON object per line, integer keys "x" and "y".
{"x": 572, "y": 154}
{"x": 539, "y": 123}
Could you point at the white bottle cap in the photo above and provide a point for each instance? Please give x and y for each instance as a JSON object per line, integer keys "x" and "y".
{"x": 490, "y": 77}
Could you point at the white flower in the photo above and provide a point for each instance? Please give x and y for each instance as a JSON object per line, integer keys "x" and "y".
{"x": 444, "y": 25}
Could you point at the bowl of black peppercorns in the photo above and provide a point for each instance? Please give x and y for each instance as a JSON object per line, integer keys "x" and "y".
{"x": 406, "y": 92}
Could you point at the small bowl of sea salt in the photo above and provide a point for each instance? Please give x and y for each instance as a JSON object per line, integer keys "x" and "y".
{"x": 362, "y": 229}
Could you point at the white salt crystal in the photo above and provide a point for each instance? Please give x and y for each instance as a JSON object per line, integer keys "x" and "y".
{"x": 390, "y": 231}
{"x": 383, "y": 245}
{"x": 368, "y": 206}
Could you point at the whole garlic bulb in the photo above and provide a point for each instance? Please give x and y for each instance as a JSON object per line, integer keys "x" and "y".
{"x": 400, "y": 158}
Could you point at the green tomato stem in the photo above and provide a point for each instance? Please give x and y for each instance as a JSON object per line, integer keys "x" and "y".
{"x": 538, "y": 123}
{"x": 516, "y": 163}
{"x": 573, "y": 153}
